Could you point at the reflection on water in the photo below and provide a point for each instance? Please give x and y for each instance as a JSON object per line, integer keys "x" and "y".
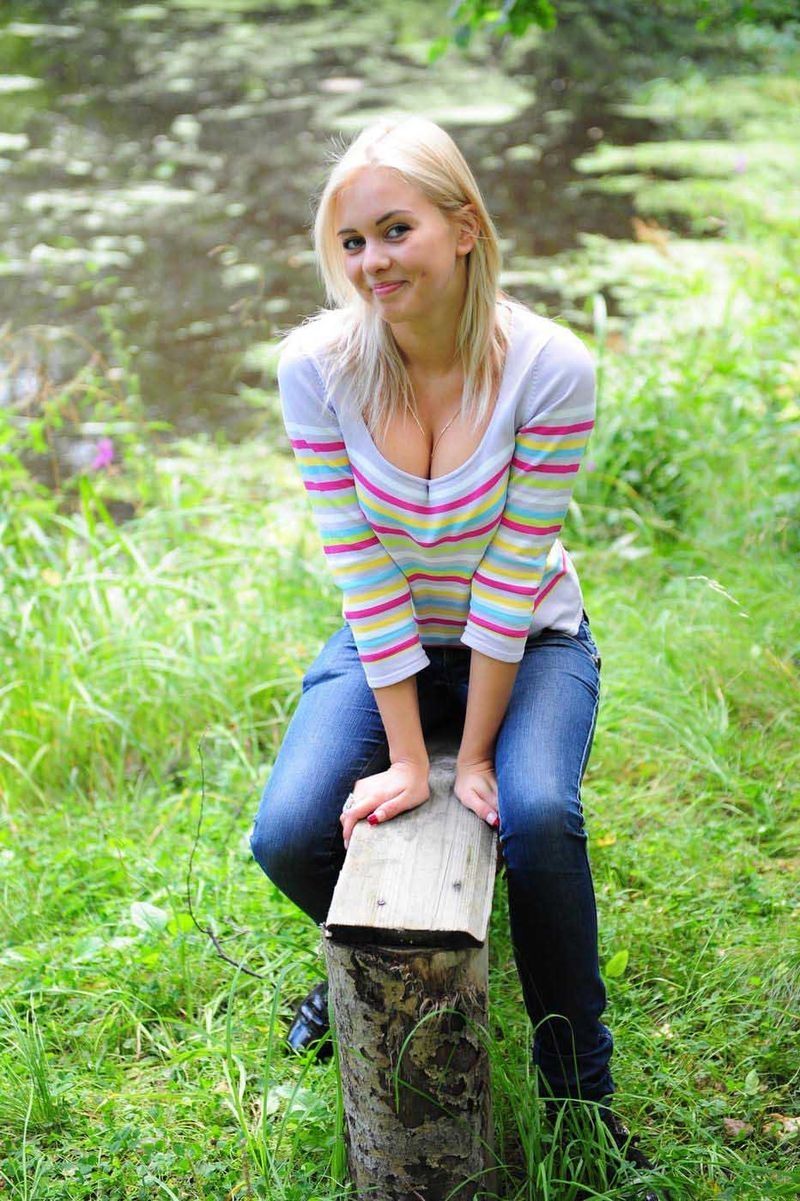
{"x": 157, "y": 161}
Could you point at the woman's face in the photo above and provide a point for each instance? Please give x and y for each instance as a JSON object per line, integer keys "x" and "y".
{"x": 401, "y": 253}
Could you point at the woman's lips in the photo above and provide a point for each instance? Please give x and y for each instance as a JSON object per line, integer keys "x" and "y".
{"x": 385, "y": 289}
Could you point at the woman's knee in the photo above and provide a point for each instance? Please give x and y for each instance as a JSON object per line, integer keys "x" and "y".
{"x": 286, "y": 841}
{"x": 542, "y": 828}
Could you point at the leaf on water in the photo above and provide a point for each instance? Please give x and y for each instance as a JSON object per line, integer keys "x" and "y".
{"x": 341, "y": 85}
{"x": 148, "y": 917}
{"x": 617, "y": 964}
{"x": 13, "y": 141}
{"x": 186, "y": 127}
{"x": 145, "y": 12}
{"x": 29, "y": 29}
{"x": 18, "y": 83}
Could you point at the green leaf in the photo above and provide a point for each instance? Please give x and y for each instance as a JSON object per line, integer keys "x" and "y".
{"x": 751, "y": 1083}
{"x": 616, "y": 965}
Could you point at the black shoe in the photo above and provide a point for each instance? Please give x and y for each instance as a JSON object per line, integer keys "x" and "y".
{"x": 628, "y": 1146}
{"x": 311, "y": 1026}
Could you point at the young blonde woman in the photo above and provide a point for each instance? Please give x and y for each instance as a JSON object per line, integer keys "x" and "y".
{"x": 438, "y": 427}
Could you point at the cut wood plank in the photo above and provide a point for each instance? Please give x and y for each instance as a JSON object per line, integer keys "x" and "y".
{"x": 443, "y": 848}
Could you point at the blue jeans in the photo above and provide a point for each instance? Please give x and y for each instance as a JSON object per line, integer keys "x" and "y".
{"x": 336, "y": 736}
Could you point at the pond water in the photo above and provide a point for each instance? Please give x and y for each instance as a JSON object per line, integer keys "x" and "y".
{"x": 157, "y": 163}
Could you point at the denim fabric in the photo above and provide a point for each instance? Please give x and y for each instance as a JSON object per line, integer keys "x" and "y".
{"x": 336, "y": 736}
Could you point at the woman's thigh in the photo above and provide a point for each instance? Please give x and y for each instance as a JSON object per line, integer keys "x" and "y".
{"x": 334, "y": 737}
{"x": 542, "y": 750}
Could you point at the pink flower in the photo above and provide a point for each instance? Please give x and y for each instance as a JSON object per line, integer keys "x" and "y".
{"x": 103, "y": 455}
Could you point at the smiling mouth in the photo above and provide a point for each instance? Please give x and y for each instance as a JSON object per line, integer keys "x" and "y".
{"x": 388, "y": 287}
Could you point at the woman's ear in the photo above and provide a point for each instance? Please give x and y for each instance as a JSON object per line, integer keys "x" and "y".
{"x": 468, "y": 229}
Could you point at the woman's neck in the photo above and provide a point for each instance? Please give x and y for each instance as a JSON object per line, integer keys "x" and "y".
{"x": 429, "y": 346}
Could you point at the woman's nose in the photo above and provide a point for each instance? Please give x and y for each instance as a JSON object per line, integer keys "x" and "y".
{"x": 375, "y": 257}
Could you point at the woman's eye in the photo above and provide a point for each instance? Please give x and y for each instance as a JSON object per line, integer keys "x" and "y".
{"x": 356, "y": 242}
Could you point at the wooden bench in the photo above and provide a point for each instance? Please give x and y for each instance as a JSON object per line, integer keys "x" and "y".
{"x": 407, "y": 954}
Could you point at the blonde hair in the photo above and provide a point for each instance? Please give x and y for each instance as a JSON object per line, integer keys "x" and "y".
{"x": 361, "y": 345}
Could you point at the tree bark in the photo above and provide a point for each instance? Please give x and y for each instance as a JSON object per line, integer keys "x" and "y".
{"x": 411, "y": 1030}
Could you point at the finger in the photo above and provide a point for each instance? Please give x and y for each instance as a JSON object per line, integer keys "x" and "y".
{"x": 400, "y": 804}
{"x": 358, "y": 807}
{"x": 485, "y": 810}
{"x": 362, "y": 807}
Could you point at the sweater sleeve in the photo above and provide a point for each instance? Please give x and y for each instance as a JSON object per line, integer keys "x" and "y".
{"x": 554, "y": 421}
{"x": 377, "y": 599}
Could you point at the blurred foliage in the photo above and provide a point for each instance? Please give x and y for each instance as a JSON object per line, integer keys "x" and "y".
{"x": 624, "y": 17}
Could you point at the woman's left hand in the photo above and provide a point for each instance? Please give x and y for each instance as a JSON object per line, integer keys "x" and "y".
{"x": 476, "y": 788}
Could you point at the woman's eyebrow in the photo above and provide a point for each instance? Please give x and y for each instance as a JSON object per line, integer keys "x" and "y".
{"x": 380, "y": 221}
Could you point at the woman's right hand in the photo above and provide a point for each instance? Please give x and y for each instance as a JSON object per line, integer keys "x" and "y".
{"x": 402, "y": 786}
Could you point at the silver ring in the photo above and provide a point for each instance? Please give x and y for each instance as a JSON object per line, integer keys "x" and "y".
{"x": 349, "y": 803}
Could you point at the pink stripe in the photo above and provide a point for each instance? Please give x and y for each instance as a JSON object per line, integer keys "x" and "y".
{"x": 548, "y": 588}
{"x": 438, "y": 579}
{"x": 393, "y": 650}
{"x": 474, "y": 533}
{"x": 410, "y": 507}
{"x": 578, "y": 428}
{"x": 304, "y": 444}
{"x": 382, "y": 608}
{"x": 439, "y": 621}
{"x": 529, "y": 529}
{"x": 552, "y": 468}
{"x": 331, "y": 486}
{"x": 499, "y": 584}
{"x": 341, "y": 550}
{"x": 489, "y": 625}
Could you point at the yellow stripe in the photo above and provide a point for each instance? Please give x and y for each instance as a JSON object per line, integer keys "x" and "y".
{"x": 496, "y": 595}
{"x": 527, "y": 573}
{"x": 394, "y": 619}
{"x": 354, "y": 569}
{"x": 436, "y": 520}
{"x": 310, "y": 459}
{"x": 557, "y": 442}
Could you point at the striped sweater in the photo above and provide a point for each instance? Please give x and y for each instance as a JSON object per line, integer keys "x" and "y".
{"x": 473, "y": 557}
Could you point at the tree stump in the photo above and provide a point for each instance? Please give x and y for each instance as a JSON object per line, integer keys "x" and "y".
{"x": 407, "y": 954}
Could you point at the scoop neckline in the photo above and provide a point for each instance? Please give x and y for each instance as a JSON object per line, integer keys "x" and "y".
{"x": 428, "y": 481}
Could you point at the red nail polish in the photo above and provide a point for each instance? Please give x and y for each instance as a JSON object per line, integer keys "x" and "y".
{"x": 372, "y": 819}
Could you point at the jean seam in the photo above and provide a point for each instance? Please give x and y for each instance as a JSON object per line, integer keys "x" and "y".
{"x": 586, "y": 748}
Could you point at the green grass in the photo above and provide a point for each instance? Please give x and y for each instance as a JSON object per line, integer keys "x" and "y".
{"x": 143, "y": 660}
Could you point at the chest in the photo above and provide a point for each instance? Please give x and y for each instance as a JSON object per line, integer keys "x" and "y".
{"x": 442, "y": 441}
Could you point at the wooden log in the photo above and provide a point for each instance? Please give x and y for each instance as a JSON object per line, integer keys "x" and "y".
{"x": 407, "y": 954}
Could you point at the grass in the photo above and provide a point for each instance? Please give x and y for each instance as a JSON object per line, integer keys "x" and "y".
{"x": 143, "y": 660}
